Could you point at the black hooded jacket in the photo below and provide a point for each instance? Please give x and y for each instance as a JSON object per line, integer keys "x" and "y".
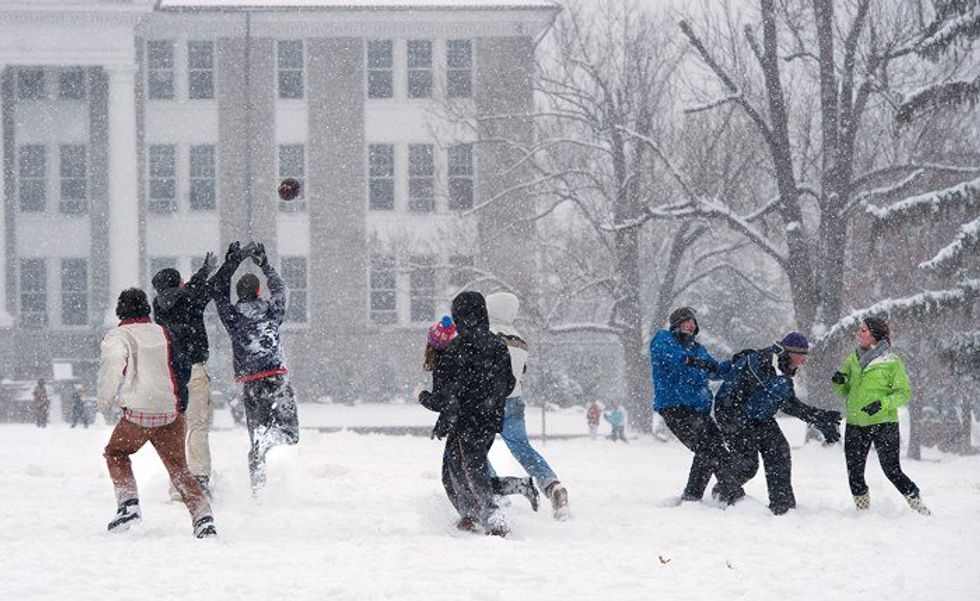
{"x": 472, "y": 378}
{"x": 181, "y": 311}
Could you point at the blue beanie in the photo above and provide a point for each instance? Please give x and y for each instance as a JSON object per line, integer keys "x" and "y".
{"x": 795, "y": 342}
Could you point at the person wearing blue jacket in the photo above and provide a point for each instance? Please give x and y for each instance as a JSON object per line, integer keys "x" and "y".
{"x": 253, "y": 325}
{"x": 681, "y": 370}
{"x": 759, "y": 384}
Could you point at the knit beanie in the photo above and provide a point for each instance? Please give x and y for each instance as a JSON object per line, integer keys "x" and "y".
{"x": 878, "y": 328}
{"x": 247, "y": 287}
{"x": 795, "y": 342}
{"x": 679, "y": 316}
{"x": 441, "y": 333}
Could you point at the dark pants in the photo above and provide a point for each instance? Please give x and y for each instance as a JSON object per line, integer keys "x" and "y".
{"x": 748, "y": 439}
{"x": 857, "y": 445}
{"x": 465, "y": 474}
{"x": 699, "y": 433}
{"x": 270, "y": 413}
{"x": 618, "y": 433}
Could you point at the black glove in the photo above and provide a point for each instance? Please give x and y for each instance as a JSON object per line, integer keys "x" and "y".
{"x": 233, "y": 251}
{"x": 829, "y": 417}
{"x": 839, "y": 378}
{"x": 872, "y": 408}
{"x": 698, "y": 362}
{"x": 258, "y": 255}
{"x": 828, "y": 430}
{"x": 209, "y": 263}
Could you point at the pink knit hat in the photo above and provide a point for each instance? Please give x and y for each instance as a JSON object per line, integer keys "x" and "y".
{"x": 441, "y": 333}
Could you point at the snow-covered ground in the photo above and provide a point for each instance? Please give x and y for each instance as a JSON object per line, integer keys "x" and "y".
{"x": 352, "y": 516}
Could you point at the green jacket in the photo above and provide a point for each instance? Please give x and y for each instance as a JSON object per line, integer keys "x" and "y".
{"x": 884, "y": 379}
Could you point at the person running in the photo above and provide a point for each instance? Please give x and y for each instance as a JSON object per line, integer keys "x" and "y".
{"x": 502, "y": 310}
{"x": 759, "y": 384}
{"x": 874, "y": 382}
{"x": 142, "y": 372}
{"x": 253, "y": 325}
{"x": 681, "y": 369}
{"x": 470, "y": 384}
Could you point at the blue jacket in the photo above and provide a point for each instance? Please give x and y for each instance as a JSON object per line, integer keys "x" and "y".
{"x": 756, "y": 388}
{"x": 253, "y": 326}
{"x": 614, "y": 417}
{"x": 676, "y": 384}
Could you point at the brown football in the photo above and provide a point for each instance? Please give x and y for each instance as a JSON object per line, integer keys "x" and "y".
{"x": 288, "y": 189}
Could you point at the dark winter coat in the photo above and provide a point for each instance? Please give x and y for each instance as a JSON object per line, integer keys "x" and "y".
{"x": 472, "y": 377}
{"x": 676, "y": 383}
{"x": 253, "y": 325}
{"x": 181, "y": 311}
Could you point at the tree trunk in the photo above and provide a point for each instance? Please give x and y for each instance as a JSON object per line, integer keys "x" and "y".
{"x": 639, "y": 387}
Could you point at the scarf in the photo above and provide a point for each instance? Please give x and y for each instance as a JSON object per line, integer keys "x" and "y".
{"x": 866, "y": 356}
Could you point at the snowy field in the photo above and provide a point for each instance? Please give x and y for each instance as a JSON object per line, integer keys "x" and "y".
{"x": 352, "y": 516}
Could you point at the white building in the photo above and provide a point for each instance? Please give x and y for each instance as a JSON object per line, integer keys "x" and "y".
{"x": 139, "y": 135}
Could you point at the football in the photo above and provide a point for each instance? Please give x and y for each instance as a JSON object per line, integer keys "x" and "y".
{"x": 288, "y": 189}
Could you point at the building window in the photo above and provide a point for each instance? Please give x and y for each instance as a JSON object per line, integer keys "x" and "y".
{"x": 460, "y": 168}
{"x": 459, "y": 68}
{"x": 380, "y": 64}
{"x": 71, "y": 84}
{"x": 421, "y": 178}
{"x": 381, "y": 188}
{"x": 383, "y": 305}
{"x": 461, "y": 271}
{"x": 200, "y": 70}
{"x": 294, "y": 275}
{"x": 419, "y": 69}
{"x": 292, "y": 163}
{"x": 73, "y": 169}
{"x": 30, "y": 84}
{"x": 33, "y": 292}
{"x": 160, "y": 70}
{"x": 202, "y": 176}
{"x": 74, "y": 292}
{"x": 290, "y": 61}
{"x": 422, "y": 288}
{"x": 32, "y": 176}
{"x": 163, "y": 178}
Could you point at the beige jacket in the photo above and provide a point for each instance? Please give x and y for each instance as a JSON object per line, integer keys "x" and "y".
{"x": 137, "y": 371}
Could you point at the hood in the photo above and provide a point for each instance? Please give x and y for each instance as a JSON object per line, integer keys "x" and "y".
{"x": 470, "y": 312}
{"x": 502, "y": 310}
{"x": 168, "y": 298}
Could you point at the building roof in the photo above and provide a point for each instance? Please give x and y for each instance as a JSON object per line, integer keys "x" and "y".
{"x": 357, "y": 5}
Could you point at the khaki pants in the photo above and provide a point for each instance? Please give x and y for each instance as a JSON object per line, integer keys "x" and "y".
{"x": 199, "y": 416}
{"x": 168, "y": 441}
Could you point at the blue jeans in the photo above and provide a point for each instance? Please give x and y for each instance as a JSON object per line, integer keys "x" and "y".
{"x": 515, "y": 436}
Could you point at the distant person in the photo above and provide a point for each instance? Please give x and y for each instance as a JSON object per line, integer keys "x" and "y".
{"x": 42, "y": 404}
{"x": 253, "y": 325}
{"x": 874, "y": 382}
{"x": 617, "y": 420}
{"x": 502, "y": 310}
{"x": 470, "y": 384}
{"x": 179, "y": 307}
{"x": 592, "y": 419}
{"x": 78, "y": 411}
{"x": 760, "y": 384}
{"x": 681, "y": 370}
{"x": 143, "y": 373}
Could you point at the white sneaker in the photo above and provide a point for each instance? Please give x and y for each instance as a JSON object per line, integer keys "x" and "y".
{"x": 915, "y": 502}
{"x": 127, "y": 515}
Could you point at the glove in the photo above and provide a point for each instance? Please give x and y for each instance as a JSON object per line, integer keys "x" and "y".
{"x": 233, "y": 251}
{"x": 872, "y": 408}
{"x": 839, "y": 378}
{"x": 698, "y": 363}
{"x": 830, "y": 417}
{"x": 258, "y": 255}
{"x": 828, "y": 430}
{"x": 419, "y": 389}
{"x": 209, "y": 263}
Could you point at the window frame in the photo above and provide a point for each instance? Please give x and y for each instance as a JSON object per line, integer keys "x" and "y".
{"x": 203, "y": 72}
{"x": 82, "y": 292}
{"x": 383, "y": 266}
{"x": 422, "y": 268}
{"x": 210, "y": 181}
{"x": 24, "y": 75}
{"x": 381, "y": 180}
{"x": 298, "y": 204}
{"x": 458, "y": 175}
{"x": 40, "y": 292}
{"x": 155, "y": 204}
{"x": 66, "y": 89}
{"x": 418, "y": 74}
{"x": 380, "y": 73}
{"x": 294, "y": 290}
{"x": 38, "y": 182}
{"x": 282, "y": 71}
{"x": 420, "y": 177}
{"x": 69, "y": 205}
{"x": 161, "y": 75}
{"x": 451, "y": 82}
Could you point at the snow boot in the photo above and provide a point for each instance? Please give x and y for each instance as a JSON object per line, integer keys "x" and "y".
{"x": 467, "y": 524}
{"x": 530, "y": 492}
{"x": 496, "y": 525}
{"x": 915, "y": 502}
{"x": 127, "y": 515}
{"x": 559, "y": 501}
{"x": 204, "y": 527}
{"x": 862, "y": 502}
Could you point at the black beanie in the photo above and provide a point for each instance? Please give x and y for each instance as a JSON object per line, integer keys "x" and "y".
{"x": 165, "y": 279}
{"x": 247, "y": 287}
{"x": 878, "y": 328}
{"x": 679, "y": 316}
{"x": 132, "y": 304}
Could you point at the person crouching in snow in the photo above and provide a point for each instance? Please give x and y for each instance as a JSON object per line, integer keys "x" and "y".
{"x": 253, "y": 325}
{"x": 470, "y": 383}
{"x": 142, "y": 372}
{"x": 759, "y": 384}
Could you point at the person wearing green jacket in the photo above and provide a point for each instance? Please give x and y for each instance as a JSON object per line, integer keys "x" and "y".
{"x": 874, "y": 382}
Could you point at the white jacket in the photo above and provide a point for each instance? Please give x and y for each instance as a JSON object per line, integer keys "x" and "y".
{"x": 137, "y": 370}
{"x": 502, "y": 309}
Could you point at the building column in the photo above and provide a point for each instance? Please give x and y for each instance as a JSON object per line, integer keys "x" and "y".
{"x": 124, "y": 250}
{"x": 6, "y": 320}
